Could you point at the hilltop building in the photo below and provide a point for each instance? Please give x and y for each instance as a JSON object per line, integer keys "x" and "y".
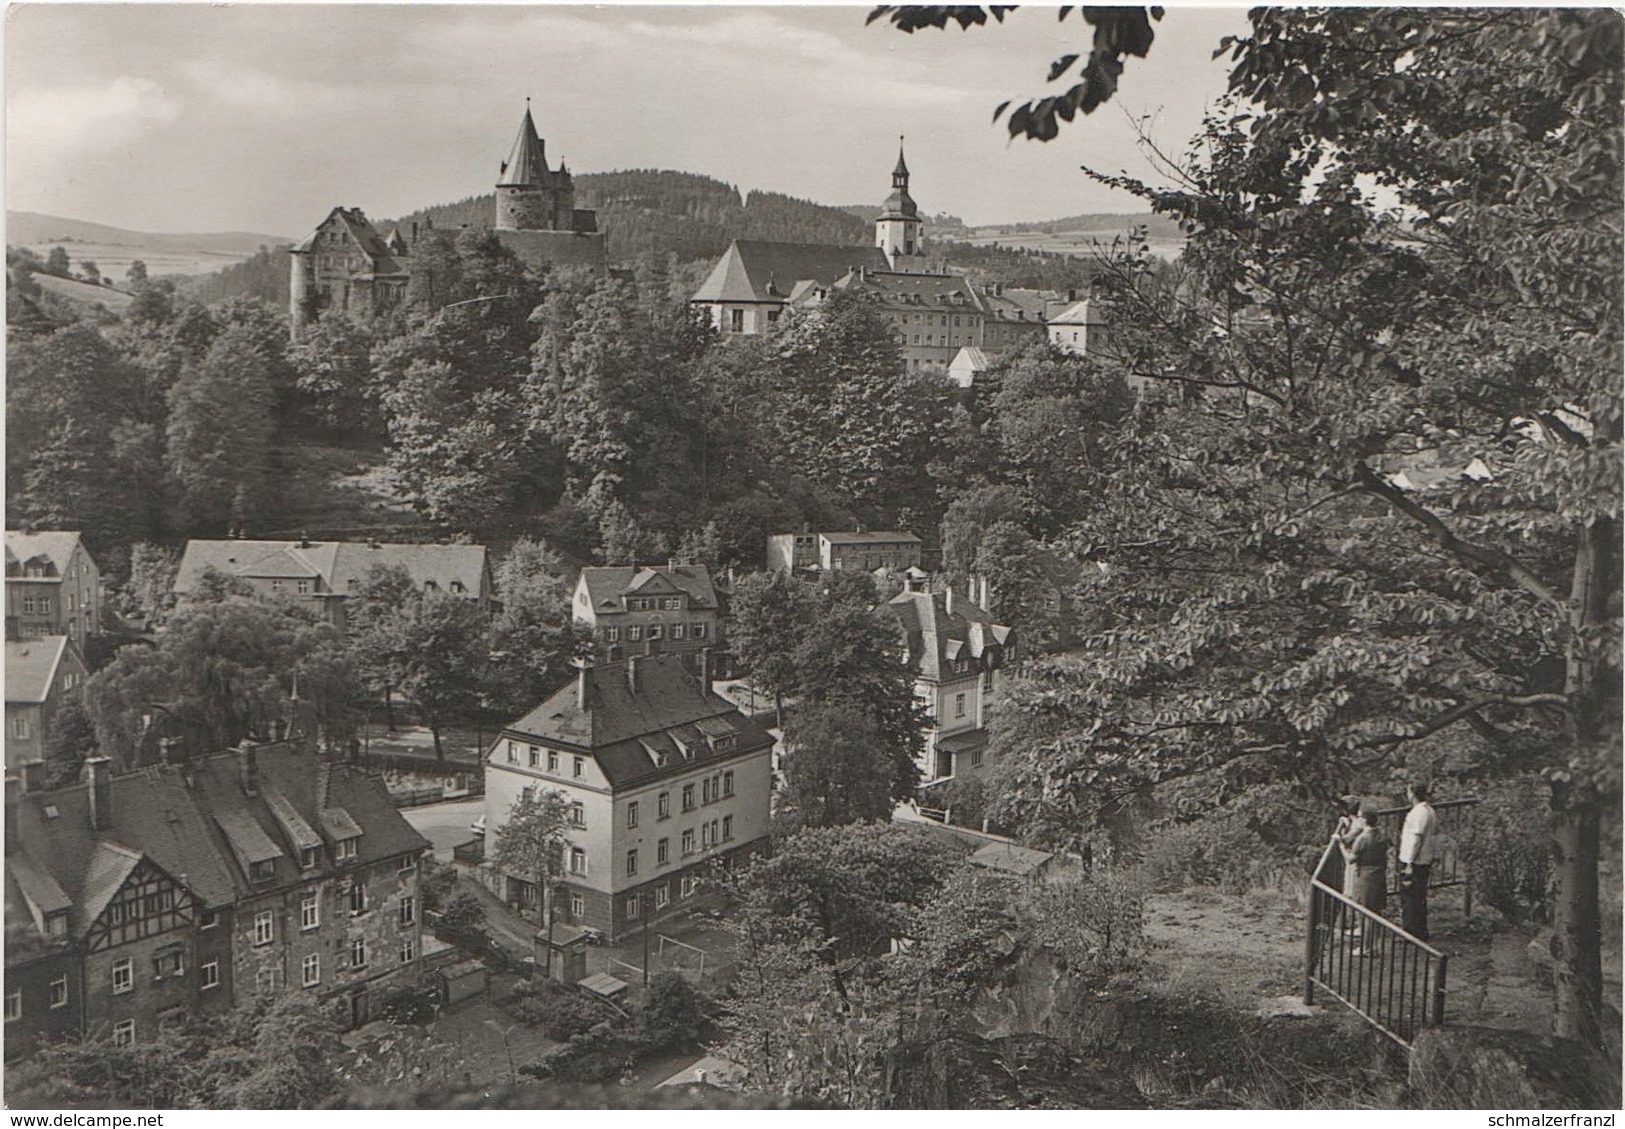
{"x": 349, "y": 265}
{"x": 836, "y": 550}
{"x": 651, "y": 610}
{"x": 174, "y": 889}
{"x": 322, "y": 575}
{"x": 662, "y": 776}
{"x": 53, "y": 586}
{"x": 938, "y": 314}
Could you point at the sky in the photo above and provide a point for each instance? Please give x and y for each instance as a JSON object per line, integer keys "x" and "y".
{"x": 262, "y": 117}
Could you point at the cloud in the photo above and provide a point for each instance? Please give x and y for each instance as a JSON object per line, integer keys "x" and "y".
{"x": 47, "y": 126}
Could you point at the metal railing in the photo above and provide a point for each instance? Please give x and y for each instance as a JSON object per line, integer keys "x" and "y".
{"x": 1393, "y": 979}
{"x": 1448, "y": 867}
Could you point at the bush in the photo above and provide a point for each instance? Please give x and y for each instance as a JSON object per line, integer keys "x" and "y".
{"x": 601, "y": 1054}
{"x": 560, "y": 1013}
{"x": 411, "y": 1005}
{"x": 673, "y": 1013}
{"x": 1506, "y": 849}
{"x": 1250, "y": 842}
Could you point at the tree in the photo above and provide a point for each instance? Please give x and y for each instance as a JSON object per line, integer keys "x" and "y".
{"x": 530, "y": 846}
{"x": 534, "y": 640}
{"x": 136, "y": 276}
{"x": 224, "y": 669}
{"x": 91, "y": 272}
{"x": 69, "y": 739}
{"x": 1285, "y": 609}
{"x": 151, "y": 586}
{"x": 58, "y": 263}
{"x": 218, "y": 439}
{"x": 837, "y": 766}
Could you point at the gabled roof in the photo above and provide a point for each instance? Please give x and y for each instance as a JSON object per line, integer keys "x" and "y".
{"x": 56, "y": 546}
{"x": 1079, "y": 313}
{"x": 31, "y": 667}
{"x": 606, "y": 585}
{"x": 339, "y": 564}
{"x": 527, "y": 160}
{"x": 935, "y": 636}
{"x": 662, "y": 727}
{"x": 108, "y": 868}
{"x": 754, "y": 270}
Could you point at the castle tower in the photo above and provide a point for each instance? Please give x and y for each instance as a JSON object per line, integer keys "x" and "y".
{"x": 530, "y": 197}
{"x": 898, "y": 227}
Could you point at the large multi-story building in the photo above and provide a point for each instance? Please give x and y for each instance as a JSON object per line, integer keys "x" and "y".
{"x": 957, "y": 654}
{"x": 839, "y": 551}
{"x": 651, "y": 609}
{"x": 348, "y": 265}
{"x": 189, "y": 888}
{"x": 53, "y": 587}
{"x": 322, "y": 575}
{"x": 663, "y": 778}
{"x": 41, "y": 674}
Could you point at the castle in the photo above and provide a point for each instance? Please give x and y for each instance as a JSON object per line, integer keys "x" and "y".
{"x": 348, "y": 265}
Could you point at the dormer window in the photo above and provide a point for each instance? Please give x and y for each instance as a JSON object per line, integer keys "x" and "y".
{"x": 262, "y": 871}
{"x": 345, "y": 849}
{"x": 56, "y": 925}
{"x": 457, "y": 587}
{"x": 309, "y": 858}
{"x": 430, "y": 586}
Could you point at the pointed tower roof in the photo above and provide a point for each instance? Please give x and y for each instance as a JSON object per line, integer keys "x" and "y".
{"x": 527, "y": 163}
{"x": 899, "y": 205}
{"x": 902, "y": 167}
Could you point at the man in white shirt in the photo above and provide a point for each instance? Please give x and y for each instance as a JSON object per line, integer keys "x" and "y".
{"x": 1416, "y": 859}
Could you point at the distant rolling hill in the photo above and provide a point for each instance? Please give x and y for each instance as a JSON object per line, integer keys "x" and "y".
{"x": 83, "y": 293}
{"x": 114, "y": 248}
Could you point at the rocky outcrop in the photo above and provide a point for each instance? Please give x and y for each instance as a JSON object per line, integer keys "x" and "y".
{"x": 1484, "y": 1068}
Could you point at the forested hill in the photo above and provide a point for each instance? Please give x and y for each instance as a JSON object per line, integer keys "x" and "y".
{"x": 659, "y": 213}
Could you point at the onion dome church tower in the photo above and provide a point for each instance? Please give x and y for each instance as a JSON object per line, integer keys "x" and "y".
{"x": 898, "y": 227}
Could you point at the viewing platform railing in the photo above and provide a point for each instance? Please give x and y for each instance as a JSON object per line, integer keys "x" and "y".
{"x": 1393, "y": 979}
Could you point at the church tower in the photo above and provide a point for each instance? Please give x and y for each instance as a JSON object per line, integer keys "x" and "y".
{"x": 897, "y": 229}
{"x": 531, "y": 197}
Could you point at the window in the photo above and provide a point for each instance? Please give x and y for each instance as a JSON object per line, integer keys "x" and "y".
{"x": 19, "y": 727}
{"x": 987, "y": 679}
{"x": 688, "y": 797}
{"x": 689, "y": 885}
{"x": 552, "y": 760}
{"x": 346, "y": 848}
{"x": 612, "y": 634}
{"x": 632, "y": 907}
{"x": 209, "y": 974}
{"x": 276, "y": 585}
{"x": 264, "y": 927}
{"x": 358, "y": 952}
{"x": 631, "y": 863}
{"x": 578, "y": 905}
{"x": 663, "y": 852}
{"x": 169, "y": 964}
{"x": 28, "y": 605}
{"x": 656, "y": 631}
{"x": 123, "y": 976}
{"x": 959, "y": 705}
{"x": 578, "y": 767}
{"x": 409, "y": 909}
{"x": 705, "y": 835}
{"x": 262, "y": 871}
{"x": 728, "y": 783}
{"x": 535, "y": 757}
{"x": 513, "y": 752}
{"x": 663, "y": 806}
{"x": 976, "y": 758}
{"x": 309, "y": 857}
{"x": 662, "y": 897}
{"x": 676, "y": 631}
{"x": 14, "y": 1004}
{"x": 634, "y": 633}
{"x": 705, "y": 790}
{"x": 310, "y": 970}
{"x": 699, "y": 631}
{"x": 578, "y": 815}
{"x": 578, "y": 861}
{"x": 358, "y": 899}
{"x": 59, "y": 991}
{"x": 124, "y": 1033}
{"x": 209, "y": 919}
{"x": 408, "y": 865}
{"x": 632, "y": 814}
{"x": 727, "y": 827}
{"x": 688, "y": 841}
{"x": 304, "y": 588}
{"x": 736, "y": 321}
{"x": 409, "y": 950}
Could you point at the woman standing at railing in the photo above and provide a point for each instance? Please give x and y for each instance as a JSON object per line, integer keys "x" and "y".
{"x": 1370, "y": 871}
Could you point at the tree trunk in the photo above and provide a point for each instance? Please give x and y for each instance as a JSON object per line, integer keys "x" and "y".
{"x": 1592, "y": 686}
{"x": 434, "y": 730}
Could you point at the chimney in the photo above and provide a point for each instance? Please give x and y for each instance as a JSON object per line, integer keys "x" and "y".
{"x": 581, "y": 685}
{"x": 632, "y": 673}
{"x": 671, "y": 564}
{"x": 948, "y": 598}
{"x": 249, "y": 769}
{"x": 99, "y": 779}
{"x": 705, "y": 668}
